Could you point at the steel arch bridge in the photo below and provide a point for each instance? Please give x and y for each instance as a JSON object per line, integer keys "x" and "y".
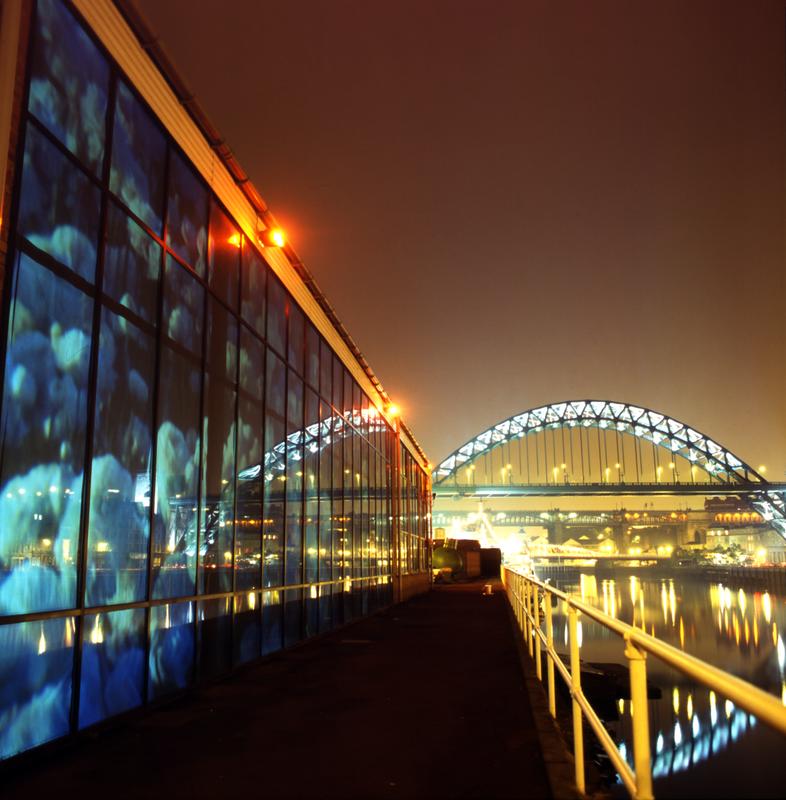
{"x": 584, "y": 447}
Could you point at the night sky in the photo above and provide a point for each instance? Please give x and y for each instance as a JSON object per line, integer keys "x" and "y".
{"x": 516, "y": 203}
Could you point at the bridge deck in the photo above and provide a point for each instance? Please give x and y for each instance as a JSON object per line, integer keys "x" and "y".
{"x": 424, "y": 700}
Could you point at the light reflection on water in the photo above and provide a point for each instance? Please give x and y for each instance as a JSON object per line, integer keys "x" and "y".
{"x": 702, "y": 744}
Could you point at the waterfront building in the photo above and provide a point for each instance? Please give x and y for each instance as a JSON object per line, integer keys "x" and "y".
{"x": 197, "y": 465}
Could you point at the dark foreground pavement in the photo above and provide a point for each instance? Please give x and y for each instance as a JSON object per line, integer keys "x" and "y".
{"x": 424, "y": 700}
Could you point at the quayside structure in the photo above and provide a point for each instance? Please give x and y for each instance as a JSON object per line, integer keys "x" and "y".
{"x": 198, "y": 467}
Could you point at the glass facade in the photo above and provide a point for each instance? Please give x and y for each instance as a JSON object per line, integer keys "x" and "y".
{"x": 190, "y": 477}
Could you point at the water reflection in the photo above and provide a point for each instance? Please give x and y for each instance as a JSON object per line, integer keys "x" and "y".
{"x": 725, "y": 624}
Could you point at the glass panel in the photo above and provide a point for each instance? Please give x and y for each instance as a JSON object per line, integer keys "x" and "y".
{"x": 248, "y": 542}
{"x": 218, "y": 486}
{"x": 183, "y": 307}
{"x": 274, "y": 471}
{"x": 325, "y": 371}
{"x": 120, "y": 477}
{"x": 113, "y": 664}
{"x": 222, "y": 332}
{"x": 271, "y": 622}
{"x": 138, "y": 155}
{"x": 248, "y": 627}
{"x": 224, "y": 257}
{"x": 58, "y": 208}
{"x": 171, "y": 660}
{"x": 338, "y": 384}
{"x": 252, "y": 365}
{"x": 68, "y": 83}
{"x": 294, "y": 480}
{"x": 36, "y": 660}
{"x": 312, "y": 357}
{"x": 311, "y": 486}
{"x": 43, "y": 440}
{"x": 293, "y": 616}
{"x": 338, "y": 495}
{"x": 254, "y": 280}
{"x": 186, "y": 230}
{"x": 325, "y": 495}
{"x": 215, "y": 637}
{"x": 132, "y": 265}
{"x": 296, "y": 342}
{"x": 276, "y": 316}
{"x": 177, "y": 474}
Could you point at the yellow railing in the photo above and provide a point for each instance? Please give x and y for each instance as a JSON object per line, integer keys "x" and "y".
{"x": 525, "y": 592}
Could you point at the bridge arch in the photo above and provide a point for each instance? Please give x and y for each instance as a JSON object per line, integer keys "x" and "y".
{"x": 618, "y": 419}
{"x": 563, "y": 428}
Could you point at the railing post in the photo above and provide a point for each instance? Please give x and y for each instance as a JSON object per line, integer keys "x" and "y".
{"x": 529, "y": 619}
{"x": 637, "y": 666}
{"x": 575, "y": 682}
{"x": 538, "y": 668}
{"x": 549, "y": 650}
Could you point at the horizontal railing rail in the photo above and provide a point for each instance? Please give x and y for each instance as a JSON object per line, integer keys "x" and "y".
{"x": 524, "y": 594}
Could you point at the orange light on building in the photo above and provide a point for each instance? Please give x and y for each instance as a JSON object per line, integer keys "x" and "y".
{"x": 234, "y": 240}
{"x": 273, "y": 237}
{"x": 393, "y": 410}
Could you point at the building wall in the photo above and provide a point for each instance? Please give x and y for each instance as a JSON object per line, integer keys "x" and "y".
{"x": 191, "y": 475}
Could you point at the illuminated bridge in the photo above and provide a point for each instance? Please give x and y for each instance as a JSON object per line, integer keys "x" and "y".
{"x": 602, "y": 447}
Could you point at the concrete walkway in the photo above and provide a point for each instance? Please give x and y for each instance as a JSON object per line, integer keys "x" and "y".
{"x": 426, "y": 700}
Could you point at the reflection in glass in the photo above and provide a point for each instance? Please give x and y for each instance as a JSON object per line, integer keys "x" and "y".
{"x": 218, "y": 488}
{"x": 68, "y": 83}
{"x": 138, "y": 154}
{"x": 293, "y": 616}
{"x": 215, "y": 637}
{"x": 223, "y": 256}
{"x": 58, "y": 208}
{"x": 177, "y": 474}
{"x": 113, "y": 664}
{"x": 183, "y": 307}
{"x": 294, "y": 480}
{"x": 312, "y": 357}
{"x": 271, "y": 622}
{"x": 248, "y": 541}
{"x": 276, "y": 316}
{"x": 187, "y": 214}
{"x": 43, "y": 430}
{"x": 171, "y": 657}
{"x": 36, "y": 660}
{"x": 218, "y": 477}
{"x": 296, "y": 340}
{"x": 248, "y": 627}
{"x": 325, "y": 371}
{"x": 120, "y": 476}
{"x": 274, "y": 471}
{"x": 325, "y": 495}
{"x": 132, "y": 265}
{"x": 311, "y": 486}
{"x": 254, "y": 280}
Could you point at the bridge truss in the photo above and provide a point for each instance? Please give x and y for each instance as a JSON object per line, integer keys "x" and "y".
{"x": 602, "y": 447}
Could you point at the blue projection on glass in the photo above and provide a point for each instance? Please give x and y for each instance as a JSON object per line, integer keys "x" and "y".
{"x": 43, "y": 430}
{"x": 36, "y": 663}
{"x": 171, "y": 467}
{"x": 113, "y": 664}
{"x": 68, "y": 84}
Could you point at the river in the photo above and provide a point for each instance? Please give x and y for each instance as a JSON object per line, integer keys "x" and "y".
{"x": 702, "y": 745}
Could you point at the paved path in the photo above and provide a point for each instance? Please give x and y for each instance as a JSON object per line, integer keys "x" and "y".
{"x": 425, "y": 700}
